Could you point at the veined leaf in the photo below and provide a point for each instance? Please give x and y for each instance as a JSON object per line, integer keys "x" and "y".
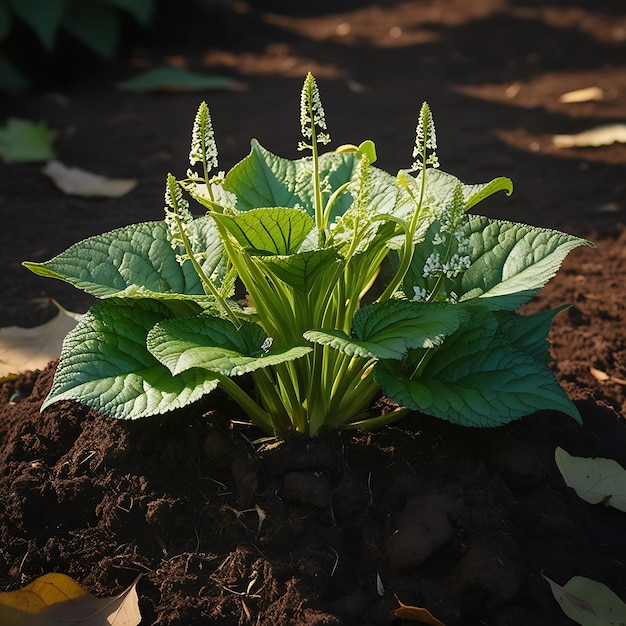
{"x": 217, "y": 345}
{"x": 512, "y": 258}
{"x": 389, "y": 329}
{"x": 105, "y": 363}
{"x": 54, "y": 599}
{"x": 268, "y": 231}
{"x": 595, "y": 480}
{"x": 589, "y": 602}
{"x": 529, "y": 333}
{"x": 476, "y": 378}
{"x": 301, "y": 271}
{"x": 134, "y": 261}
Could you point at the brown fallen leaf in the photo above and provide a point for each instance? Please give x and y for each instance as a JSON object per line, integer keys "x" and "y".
{"x": 53, "y": 599}
{"x": 76, "y": 182}
{"x": 415, "y": 614}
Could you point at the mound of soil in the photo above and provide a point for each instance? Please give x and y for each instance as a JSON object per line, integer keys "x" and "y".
{"x": 338, "y": 529}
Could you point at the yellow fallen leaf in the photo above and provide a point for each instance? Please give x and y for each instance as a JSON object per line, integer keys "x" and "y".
{"x": 589, "y": 602}
{"x": 594, "y": 479}
{"x": 76, "y": 182}
{"x": 24, "y": 349}
{"x": 600, "y": 136}
{"x": 55, "y": 599}
{"x": 586, "y": 94}
{"x": 415, "y": 614}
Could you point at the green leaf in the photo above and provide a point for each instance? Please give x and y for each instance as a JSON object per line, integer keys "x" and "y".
{"x": 529, "y": 333}
{"x": 217, "y": 345}
{"x": 43, "y": 16}
{"x": 389, "y": 329}
{"x": 512, "y": 258}
{"x": 588, "y": 602}
{"x": 94, "y": 24}
{"x": 22, "y": 141}
{"x": 141, "y": 10}
{"x": 302, "y": 271}
{"x": 11, "y": 79}
{"x": 595, "y": 480}
{"x": 134, "y": 261}
{"x": 269, "y": 231}
{"x": 177, "y": 79}
{"x": 6, "y": 20}
{"x": 105, "y": 364}
{"x": 476, "y": 378}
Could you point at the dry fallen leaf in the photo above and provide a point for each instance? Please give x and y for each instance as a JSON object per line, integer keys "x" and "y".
{"x": 589, "y": 602}
{"x": 416, "y": 614}
{"x": 76, "y": 182}
{"x": 594, "y": 479}
{"x": 600, "y": 136}
{"x": 55, "y": 599}
{"x": 582, "y": 95}
{"x": 599, "y": 374}
{"x": 24, "y": 349}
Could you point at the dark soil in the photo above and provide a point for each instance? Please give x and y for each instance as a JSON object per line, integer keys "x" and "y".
{"x": 459, "y": 521}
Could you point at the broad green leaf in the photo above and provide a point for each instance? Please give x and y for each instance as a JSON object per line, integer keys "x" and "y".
{"x": 589, "y": 602}
{"x": 94, "y": 24}
{"x": 303, "y": 270}
{"x": 388, "y": 330}
{"x": 105, "y": 363}
{"x": 268, "y": 231}
{"x": 22, "y": 141}
{"x": 43, "y": 16}
{"x": 476, "y": 378}
{"x": 54, "y": 599}
{"x": 595, "y": 480}
{"x": 217, "y": 345}
{"x": 134, "y": 261}
{"x": 512, "y": 258}
{"x": 529, "y": 333}
{"x": 177, "y": 79}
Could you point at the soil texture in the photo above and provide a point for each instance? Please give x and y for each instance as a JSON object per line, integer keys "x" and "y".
{"x": 339, "y": 529}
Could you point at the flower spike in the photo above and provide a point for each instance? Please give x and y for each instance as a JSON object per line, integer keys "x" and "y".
{"x": 425, "y": 141}
{"x": 203, "y": 146}
{"x": 312, "y": 115}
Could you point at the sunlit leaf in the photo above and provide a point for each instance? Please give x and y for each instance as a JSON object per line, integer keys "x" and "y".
{"x": 55, "y": 599}
{"x": 32, "y": 348}
{"x": 595, "y": 480}
{"x": 594, "y": 137}
{"x": 589, "y": 602}
{"x": 22, "y": 141}
{"x": 78, "y": 182}
{"x": 176, "y": 79}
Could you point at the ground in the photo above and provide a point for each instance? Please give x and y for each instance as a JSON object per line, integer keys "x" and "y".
{"x": 335, "y": 530}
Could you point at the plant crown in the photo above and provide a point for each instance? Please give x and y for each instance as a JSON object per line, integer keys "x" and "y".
{"x": 356, "y": 282}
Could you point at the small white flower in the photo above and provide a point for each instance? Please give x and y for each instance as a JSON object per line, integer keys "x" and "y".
{"x": 456, "y": 265}
{"x": 420, "y": 293}
{"x": 425, "y": 150}
{"x": 432, "y": 267}
{"x": 438, "y": 239}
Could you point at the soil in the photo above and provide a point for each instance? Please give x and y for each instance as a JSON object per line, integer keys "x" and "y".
{"x": 334, "y": 530}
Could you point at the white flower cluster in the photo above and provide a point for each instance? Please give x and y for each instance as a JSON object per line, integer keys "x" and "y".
{"x": 203, "y": 146}
{"x": 420, "y": 293}
{"x": 177, "y": 217}
{"x": 425, "y": 141}
{"x": 311, "y": 106}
